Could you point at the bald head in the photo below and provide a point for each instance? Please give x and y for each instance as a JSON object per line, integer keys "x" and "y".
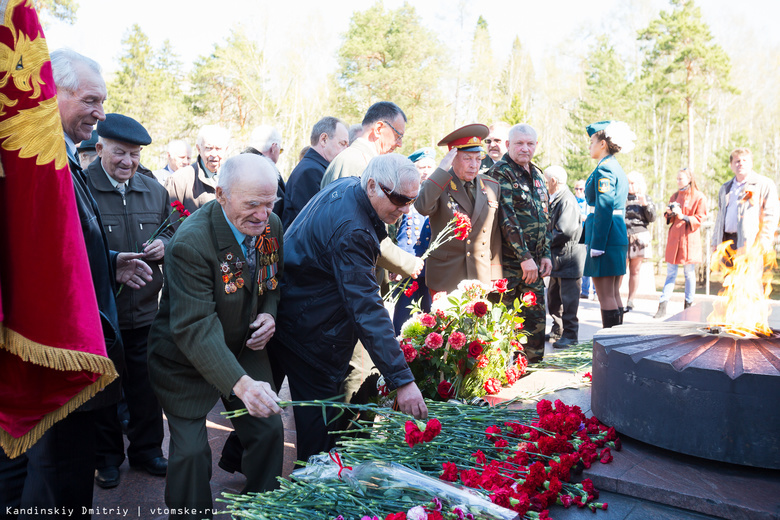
{"x": 247, "y": 192}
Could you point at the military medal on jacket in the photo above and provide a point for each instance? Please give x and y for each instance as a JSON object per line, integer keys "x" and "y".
{"x": 267, "y": 262}
{"x": 232, "y": 274}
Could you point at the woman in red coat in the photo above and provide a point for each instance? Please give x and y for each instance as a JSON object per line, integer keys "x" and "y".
{"x": 687, "y": 210}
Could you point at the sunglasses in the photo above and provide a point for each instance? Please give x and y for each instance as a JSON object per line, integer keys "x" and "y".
{"x": 396, "y": 198}
{"x": 491, "y": 141}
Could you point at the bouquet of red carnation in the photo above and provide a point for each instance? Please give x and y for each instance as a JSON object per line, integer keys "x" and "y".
{"x": 179, "y": 208}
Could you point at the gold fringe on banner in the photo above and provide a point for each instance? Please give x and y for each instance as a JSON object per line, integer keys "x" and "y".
{"x": 58, "y": 359}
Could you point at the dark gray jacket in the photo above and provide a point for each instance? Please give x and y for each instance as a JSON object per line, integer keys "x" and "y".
{"x": 565, "y": 228}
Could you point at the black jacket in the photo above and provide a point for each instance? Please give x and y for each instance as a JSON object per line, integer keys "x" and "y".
{"x": 330, "y": 296}
{"x": 565, "y": 228}
{"x": 637, "y": 216}
{"x": 303, "y": 184}
{"x": 101, "y": 264}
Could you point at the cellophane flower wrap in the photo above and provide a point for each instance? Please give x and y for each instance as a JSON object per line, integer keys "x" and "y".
{"x": 465, "y": 347}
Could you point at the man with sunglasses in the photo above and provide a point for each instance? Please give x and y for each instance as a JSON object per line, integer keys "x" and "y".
{"x": 330, "y": 295}
{"x": 495, "y": 144}
{"x": 461, "y": 188}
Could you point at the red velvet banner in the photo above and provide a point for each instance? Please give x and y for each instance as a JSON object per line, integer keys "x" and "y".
{"x": 52, "y": 351}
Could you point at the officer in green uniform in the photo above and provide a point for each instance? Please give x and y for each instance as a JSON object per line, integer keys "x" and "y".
{"x": 606, "y": 190}
{"x": 524, "y": 205}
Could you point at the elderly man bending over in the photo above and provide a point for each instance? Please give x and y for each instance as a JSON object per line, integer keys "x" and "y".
{"x": 330, "y": 296}
{"x": 217, "y": 313}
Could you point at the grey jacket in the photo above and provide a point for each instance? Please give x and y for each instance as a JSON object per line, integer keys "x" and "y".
{"x": 758, "y": 214}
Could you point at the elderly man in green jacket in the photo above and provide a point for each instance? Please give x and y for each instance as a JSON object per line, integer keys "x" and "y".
{"x": 217, "y": 313}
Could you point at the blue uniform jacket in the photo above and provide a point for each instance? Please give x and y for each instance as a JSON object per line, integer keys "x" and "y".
{"x": 605, "y": 229}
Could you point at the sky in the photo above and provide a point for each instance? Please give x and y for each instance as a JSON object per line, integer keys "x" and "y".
{"x": 545, "y": 27}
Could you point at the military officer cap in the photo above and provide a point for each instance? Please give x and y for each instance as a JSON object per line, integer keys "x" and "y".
{"x": 597, "y": 127}
{"x": 88, "y": 145}
{"x": 123, "y": 128}
{"x": 422, "y": 153}
{"x": 466, "y": 138}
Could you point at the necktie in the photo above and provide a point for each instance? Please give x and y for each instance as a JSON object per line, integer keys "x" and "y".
{"x": 251, "y": 261}
{"x": 121, "y": 188}
{"x": 469, "y": 186}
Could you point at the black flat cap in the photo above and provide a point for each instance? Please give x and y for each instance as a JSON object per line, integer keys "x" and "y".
{"x": 123, "y": 128}
{"x": 88, "y": 145}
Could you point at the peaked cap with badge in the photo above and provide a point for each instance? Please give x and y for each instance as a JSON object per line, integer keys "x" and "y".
{"x": 441, "y": 195}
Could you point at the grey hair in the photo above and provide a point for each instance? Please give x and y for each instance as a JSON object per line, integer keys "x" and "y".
{"x": 264, "y": 137}
{"x": 213, "y": 133}
{"x": 244, "y": 164}
{"x": 327, "y": 125}
{"x": 391, "y": 170}
{"x": 63, "y": 68}
{"x": 178, "y": 142}
{"x": 556, "y": 172}
{"x": 522, "y": 129}
{"x": 355, "y": 131}
{"x": 640, "y": 186}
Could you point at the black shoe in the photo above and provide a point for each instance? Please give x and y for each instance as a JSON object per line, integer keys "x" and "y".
{"x": 564, "y": 342}
{"x": 687, "y": 304}
{"x": 229, "y": 466}
{"x": 583, "y": 296}
{"x": 107, "y": 477}
{"x": 157, "y": 466}
{"x": 610, "y": 318}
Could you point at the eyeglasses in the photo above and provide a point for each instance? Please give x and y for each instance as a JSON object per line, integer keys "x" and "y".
{"x": 398, "y": 135}
{"x": 396, "y": 198}
{"x": 491, "y": 141}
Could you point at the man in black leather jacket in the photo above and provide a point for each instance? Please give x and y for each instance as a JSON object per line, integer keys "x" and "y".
{"x": 330, "y": 296}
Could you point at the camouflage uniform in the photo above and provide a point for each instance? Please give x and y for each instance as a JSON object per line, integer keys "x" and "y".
{"x": 524, "y": 205}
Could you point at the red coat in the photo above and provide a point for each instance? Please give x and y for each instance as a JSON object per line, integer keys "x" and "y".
{"x": 683, "y": 245}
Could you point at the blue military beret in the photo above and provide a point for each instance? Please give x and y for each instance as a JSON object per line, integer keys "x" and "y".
{"x": 88, "y": 145}
{"x": 123, "y": 128}
{"x": 597, "y": 127}
{"x": 422, "y": 153}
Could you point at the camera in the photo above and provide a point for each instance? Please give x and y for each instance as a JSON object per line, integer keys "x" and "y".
{"x": 673, "y": 206}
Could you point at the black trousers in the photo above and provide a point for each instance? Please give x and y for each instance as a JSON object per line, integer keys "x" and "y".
{"x": 145, "y": 430}
{"x": 308, "y": 383}
{"x": 57, "y": 472}
{"x": 563, "y": 302}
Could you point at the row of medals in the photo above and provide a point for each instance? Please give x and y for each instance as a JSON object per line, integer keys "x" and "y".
{"x": 267, "y": 267}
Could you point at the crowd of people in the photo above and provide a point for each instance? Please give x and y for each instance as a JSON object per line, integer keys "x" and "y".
{"x": 217, "y": 279}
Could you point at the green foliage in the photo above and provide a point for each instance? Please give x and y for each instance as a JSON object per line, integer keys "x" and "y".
{"x": 389, "y": 55}
{"x": 64, "y": 10}
{"x": 229, "y": 86}
{"x": 514, "y": 86}
{"x": 147, "y": 87}
{"x": 606, "y": 97}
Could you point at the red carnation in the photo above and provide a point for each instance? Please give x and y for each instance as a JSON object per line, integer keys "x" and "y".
{"x": 475, "y": 349}
{"x": 445, "y": 390}
{"x": 500, "y": 286}
{"x": 434, "y": 340}
{"x": 410, "y": 353}
{"x": 456, "y": 340}
{"x": 482, "y": 361}
{"x": 427, "y": 320}
{"x": 412, "y": 434}
{"x": 492, "y": 386}
{"x": 480, "y": 309}
{"x": 529, "y": 298}
{"x": 462, "y": 226}
{"x": 512, "y": 375}
{"x": 411, "y": 290}
{"x": 432, "y": 429}
{"x": 450, "y": 472}
{"x": 178, "y": 206}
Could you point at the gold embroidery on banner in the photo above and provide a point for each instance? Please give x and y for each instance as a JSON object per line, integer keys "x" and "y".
{"x": 36, "y": 132}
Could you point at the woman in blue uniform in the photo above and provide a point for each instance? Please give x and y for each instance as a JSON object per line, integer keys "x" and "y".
{"x": 606, "y": 191}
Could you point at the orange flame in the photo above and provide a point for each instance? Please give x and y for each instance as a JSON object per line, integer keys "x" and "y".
{"x": 742, "y": 306}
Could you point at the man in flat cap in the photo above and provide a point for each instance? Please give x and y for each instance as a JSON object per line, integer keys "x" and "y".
{"x": 524, "y": 217}
{"x": 461, "y": 188}
{"x": 133, "y": 208}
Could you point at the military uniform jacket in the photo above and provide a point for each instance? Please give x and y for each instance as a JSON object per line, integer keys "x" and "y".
{"x": 191, "y": 187}
{"x": 605, "y": 229}
{"x": 197, "y": 343}
{"x": 128, "y": 222}
{"x": 479, "y": 256}
{"x": 524, "y": 216}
